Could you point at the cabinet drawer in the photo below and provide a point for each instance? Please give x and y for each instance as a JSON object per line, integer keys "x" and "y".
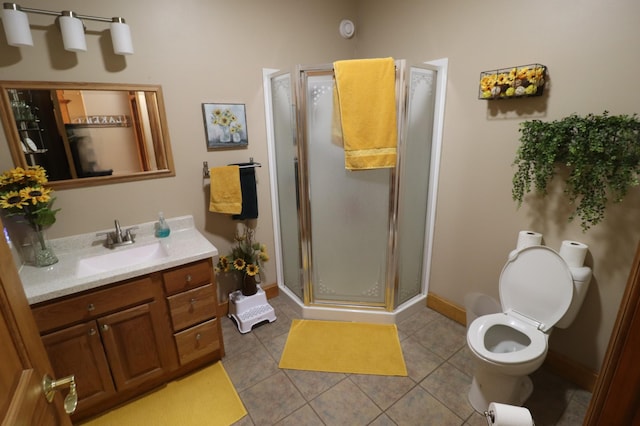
{"x": 197, "y": 341}
{"x": 188, "y": 276}
{"x": 192, "y": 306}
{"x": 82, "y": 308}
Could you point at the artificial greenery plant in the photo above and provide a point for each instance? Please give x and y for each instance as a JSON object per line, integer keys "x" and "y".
{"x": 601, "y": 152}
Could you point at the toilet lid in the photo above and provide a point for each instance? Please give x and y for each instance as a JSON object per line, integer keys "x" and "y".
{"x": 537, "y": 283}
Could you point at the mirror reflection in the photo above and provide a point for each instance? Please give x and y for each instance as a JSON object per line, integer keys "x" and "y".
{"x": 87, "y": 134}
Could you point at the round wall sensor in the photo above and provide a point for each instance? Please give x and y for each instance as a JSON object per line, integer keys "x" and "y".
{"x": 347, "y": 28}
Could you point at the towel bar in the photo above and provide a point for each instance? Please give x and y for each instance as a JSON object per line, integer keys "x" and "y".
{"x": 205, "y": 167}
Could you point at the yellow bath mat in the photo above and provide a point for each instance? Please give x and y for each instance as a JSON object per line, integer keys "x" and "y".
{"x": 344, "y": 347}
{"x": 206, "y": 397}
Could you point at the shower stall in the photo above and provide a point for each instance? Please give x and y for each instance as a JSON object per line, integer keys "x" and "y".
{"x": 352, "y": 245}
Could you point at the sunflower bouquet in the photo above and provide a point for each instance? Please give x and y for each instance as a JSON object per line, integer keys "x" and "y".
{"x": 222, "y": 117}
{"x": 228, "y": 122}
{"x": 23, "y": 194}
{"x": 246, "y": 256}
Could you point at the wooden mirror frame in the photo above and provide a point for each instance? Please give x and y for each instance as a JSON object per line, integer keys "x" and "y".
{"x": 159, "y": 131}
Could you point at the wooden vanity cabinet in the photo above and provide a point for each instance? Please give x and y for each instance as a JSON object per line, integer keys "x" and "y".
{"x": 125, "y": 339}
{"x": 78, "y": 350}
{"x": 193, "y": 304}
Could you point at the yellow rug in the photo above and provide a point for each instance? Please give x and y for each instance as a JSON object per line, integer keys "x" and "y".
{"x": 344, "y": 347}
{"x": 206, "y": 397}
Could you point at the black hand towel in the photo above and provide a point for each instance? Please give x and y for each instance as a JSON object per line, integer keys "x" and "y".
{"x": 249, "y": 192}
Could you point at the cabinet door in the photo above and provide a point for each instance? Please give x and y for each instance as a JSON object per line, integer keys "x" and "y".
{"x": 134, "y": 345}
{"x": 78, "y": 350}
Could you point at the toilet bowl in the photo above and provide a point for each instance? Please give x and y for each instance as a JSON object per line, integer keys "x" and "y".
{"x": 536, "y": 290}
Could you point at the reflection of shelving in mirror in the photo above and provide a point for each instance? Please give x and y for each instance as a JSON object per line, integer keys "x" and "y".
{"x": 28, "y": 125}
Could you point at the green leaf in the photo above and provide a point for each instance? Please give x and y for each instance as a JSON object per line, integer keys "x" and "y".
{"x": 602, "y": 153}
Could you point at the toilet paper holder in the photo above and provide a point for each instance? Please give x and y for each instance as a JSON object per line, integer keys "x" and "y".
{"x": 490, "y": 416}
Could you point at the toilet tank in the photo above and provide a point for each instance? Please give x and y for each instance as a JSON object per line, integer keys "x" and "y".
{"x": 581, "y": 280}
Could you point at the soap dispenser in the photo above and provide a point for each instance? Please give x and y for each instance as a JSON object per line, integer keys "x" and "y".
{"x": 162, "y": 227}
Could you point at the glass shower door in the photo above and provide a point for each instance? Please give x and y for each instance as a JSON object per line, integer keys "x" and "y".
{"x": 415, "y": 181}
{"x": 285, "y": 157}
{"x": 347, "y": 216}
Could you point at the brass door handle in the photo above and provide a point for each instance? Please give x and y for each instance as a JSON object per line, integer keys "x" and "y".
{"x": 50, "y": 386}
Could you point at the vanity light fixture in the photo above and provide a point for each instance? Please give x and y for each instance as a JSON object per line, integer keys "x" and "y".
{"x": 18, "y": 33}
{"x": 72, "y": 32}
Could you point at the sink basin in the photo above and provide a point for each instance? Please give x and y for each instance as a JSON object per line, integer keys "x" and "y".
{"x": 120, "y": 257}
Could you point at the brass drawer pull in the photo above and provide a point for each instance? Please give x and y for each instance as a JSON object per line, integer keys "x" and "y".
{"x": 105, "y": 327}
{"x": 198, "y": 336}
{"x": 92, "y": 331}
{"x": 91, "y": 307}
{"x": 188, "y": 278}
{"x": 193, "y": 301}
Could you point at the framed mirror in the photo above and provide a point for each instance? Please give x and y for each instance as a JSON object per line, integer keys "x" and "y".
{"x": 86, "y": 134}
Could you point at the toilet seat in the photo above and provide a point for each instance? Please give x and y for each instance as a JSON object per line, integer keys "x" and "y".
{"x": 480, "y": 326}
{"x": 537, "y": 284}
{"x": 536, "y": 288}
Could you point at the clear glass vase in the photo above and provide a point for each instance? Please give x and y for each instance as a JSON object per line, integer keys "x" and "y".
{"x": 43, "y": 254}
{"x": 225, "y": 134}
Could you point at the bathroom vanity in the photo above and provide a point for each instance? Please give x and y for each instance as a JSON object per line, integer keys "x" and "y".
{"x": 141, "y": 321}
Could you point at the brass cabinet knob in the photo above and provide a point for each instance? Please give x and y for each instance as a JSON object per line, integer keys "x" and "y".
{"x": 91, "y": 307}
{"x": 92, "y": 331}
{"x": 198, "y": 336}
{"x": 105, "y": 327}
{"x": 188, "y": 278}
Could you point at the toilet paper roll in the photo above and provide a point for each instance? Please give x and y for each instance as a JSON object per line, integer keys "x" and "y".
{"x": 573, "y": 252}
{"x": 528, "y": 239}
{"x": 508, "y": 415}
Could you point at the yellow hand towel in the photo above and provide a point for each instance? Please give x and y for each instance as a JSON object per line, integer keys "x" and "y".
{"x": 226, "y": 195}
{"x": 366, "y": 94}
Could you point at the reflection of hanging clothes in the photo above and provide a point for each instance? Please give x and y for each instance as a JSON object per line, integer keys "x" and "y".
{"x": 249, "y": 192}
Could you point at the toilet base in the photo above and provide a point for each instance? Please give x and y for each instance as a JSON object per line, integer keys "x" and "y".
{"x": 488, "y": 388}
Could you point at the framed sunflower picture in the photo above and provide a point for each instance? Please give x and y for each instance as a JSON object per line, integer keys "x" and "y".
{"x": 225, "y": 126}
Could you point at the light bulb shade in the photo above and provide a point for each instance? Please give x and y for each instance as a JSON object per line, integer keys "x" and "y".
{"x": 73, "y": 34}
{"x": 121, "y": 38}
{"x": 16, "y": 27}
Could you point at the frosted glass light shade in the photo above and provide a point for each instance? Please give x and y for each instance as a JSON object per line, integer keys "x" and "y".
{"x": 16, "y": 27}
{"x": 121, "y": 37}
{"x": 73, "y": 34}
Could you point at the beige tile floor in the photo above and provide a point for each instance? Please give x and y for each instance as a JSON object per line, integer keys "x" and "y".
{"x": 434, "y": 393}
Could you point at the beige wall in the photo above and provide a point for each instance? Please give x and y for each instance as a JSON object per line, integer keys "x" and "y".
{"x": 588, "y": 47}
{"x": 215, "y": 51}
{"x": 199, "y": 51}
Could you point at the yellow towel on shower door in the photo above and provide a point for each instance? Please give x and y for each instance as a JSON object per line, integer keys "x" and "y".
{"x": 366, "y": 95}
{"x": 226, "y": 194}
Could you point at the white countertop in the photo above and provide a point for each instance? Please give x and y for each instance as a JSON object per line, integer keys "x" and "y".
{"x": 185, "y": 244}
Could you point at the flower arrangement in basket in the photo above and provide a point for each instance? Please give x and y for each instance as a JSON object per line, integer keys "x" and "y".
{"x": 246, "y": 257}
{"x": 526, "y": 80}
{"x": 23, "y": 194}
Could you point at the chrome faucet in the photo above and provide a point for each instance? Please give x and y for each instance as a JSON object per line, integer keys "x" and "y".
{"x": 118, "y": 237}
{"x": 118, "y": 232}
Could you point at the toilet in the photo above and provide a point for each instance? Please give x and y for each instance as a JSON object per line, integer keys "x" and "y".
{"x": 537, "y": 290}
